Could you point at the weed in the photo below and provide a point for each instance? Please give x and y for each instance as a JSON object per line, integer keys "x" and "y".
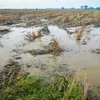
{"x": 19, "y": 86}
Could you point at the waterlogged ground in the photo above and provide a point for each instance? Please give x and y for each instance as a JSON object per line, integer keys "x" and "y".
{"x": 77, "y": 54}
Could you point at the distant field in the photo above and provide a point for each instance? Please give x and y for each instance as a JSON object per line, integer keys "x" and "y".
{"x": 62, "y": 18}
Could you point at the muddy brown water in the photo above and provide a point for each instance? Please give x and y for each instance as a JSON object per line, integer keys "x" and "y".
{"x": 75, "y": 56}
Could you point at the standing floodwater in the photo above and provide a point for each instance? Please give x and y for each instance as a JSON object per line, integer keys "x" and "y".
{"x": 78, "y": 54}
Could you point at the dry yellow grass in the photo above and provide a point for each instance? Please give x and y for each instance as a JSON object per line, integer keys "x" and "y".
{"x": 32, "y": 36}
{"x": 52, "y": 48}
{"x": 33, "y": 17}
{"x": 79, "y": 33}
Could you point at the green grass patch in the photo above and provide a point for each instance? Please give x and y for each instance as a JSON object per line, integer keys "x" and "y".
{"x": 41, "y": 88}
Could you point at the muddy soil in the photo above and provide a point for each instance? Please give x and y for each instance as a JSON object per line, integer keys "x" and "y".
{"x": 76, "y": 55}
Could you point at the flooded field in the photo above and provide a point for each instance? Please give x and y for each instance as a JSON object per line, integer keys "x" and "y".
{"x": 80, "y": 49}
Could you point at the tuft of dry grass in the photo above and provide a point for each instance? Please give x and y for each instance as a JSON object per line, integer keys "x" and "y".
{"x": 39, "y": 33}
{"x": 52, "y": 48}
{"x": 32, "y": 36}
{"x": 72, "y": 87}
{"x": 79, "y": 33}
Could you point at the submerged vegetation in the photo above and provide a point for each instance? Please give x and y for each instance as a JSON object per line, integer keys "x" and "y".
{"x": 32, "y": 36}
{"x": 79, "y": 32}
{"x": 52, "y": 48}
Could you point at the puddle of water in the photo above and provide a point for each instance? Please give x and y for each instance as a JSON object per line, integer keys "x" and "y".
{"x": 79, "y": 56}
{"x": 85, "y": 61}
{"x": 11, "y": 41}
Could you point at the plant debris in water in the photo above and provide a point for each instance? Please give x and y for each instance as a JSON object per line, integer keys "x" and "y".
{"x": 32, "y": 36}
{"x": 96, "y": 51}
{"x": 52, "y": 48}
{"x": 79, "y": 32}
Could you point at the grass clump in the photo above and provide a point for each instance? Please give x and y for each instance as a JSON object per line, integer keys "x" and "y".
{"x": 52, "y": 48}
{"x": 79, "y": 33}
{"x": 25, "y": 87}
{"x": 32, "y": 36}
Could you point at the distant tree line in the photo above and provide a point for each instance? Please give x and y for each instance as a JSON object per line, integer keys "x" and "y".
{"x": 83, "y": 7}
{"x": 89, "y": 8}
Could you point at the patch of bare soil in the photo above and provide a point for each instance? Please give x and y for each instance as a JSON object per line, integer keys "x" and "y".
{"x": 10, "y": 73}
{"x": 45, "y": 30}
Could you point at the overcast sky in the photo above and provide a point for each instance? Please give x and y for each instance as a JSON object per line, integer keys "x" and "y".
{"x": 47, "y": 3}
